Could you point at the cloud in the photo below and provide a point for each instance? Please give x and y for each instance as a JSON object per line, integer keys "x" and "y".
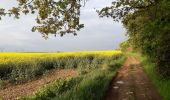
{"x": 98, "y": 34}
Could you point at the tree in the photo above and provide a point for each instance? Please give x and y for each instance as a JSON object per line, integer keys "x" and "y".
{"x": 53, "y": 16}
{"x": 147, "y": 24}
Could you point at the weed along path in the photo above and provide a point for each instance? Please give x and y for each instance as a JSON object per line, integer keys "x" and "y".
{"x": 26, "y": 89}
{"x": 132, "y": 83}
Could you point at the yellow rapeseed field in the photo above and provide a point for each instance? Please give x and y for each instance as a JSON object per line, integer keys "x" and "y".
{"x": 24, "y": 66}
{"x": 14, "y": 56}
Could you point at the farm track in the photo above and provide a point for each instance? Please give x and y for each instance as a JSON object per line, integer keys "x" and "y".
{"x": 131, "y": 83}
{"x": 27, "y": 89}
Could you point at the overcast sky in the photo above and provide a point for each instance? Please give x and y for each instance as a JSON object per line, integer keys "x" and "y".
{"x": 98, "y": 34}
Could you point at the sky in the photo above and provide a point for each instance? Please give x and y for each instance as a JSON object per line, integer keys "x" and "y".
{"x": 98, "y": 33}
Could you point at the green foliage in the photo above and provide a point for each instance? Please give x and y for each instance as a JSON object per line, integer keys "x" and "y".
{"x": 120, "y": 8}
{"x": 90, "y": 86}
{"x": 125, "y": 45}
{"x": 55, "y": 89}
{"x": 53, "y": 17}
{"x": 2, "y": 83}
{"x": 147, "y": 24}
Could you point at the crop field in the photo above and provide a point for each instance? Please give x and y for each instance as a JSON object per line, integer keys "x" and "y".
{"x": 95, "y": 71}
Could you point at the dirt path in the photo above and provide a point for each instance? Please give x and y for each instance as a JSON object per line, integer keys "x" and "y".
{"x": 132, "y": 83}
{"x": 12, "y": 92}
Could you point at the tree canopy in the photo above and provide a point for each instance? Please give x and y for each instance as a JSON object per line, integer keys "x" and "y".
{"x": 148, "y": 27}
{"x": 53, "y": 16}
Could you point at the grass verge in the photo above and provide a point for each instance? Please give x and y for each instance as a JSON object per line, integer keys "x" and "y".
{"x": 90, "y": 86}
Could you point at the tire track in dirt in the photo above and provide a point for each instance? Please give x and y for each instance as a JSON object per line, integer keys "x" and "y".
{"x": 27, "y": 89}
{"x": 131, "y": 83}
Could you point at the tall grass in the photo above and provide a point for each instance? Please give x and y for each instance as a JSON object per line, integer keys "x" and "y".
{"x": 90, "y": 86}
{"x": 18, "y": 67}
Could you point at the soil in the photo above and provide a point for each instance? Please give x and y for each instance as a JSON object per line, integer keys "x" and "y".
{"x": 131, "y": 83}
{"x": 12, "y": 92}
